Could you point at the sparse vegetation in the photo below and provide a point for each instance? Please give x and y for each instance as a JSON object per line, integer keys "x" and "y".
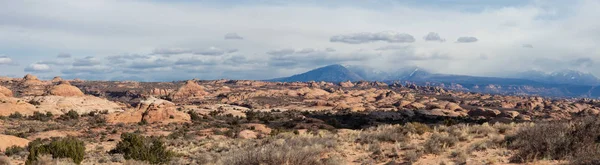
{"x": 138, "y": 147}
{"x": 69, "y": 147}
{"x": 13, "y": 150}
{"x": 576, "y": 140}
{"x": 300, "y": 150}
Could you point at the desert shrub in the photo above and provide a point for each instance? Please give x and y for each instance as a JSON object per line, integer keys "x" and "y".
{"x": 482, "y": 130}
{"x": 384, "y": 133}
{"x": 299, "y": 150}
{"x": 97, "y": 120}
{"x": 13, "y": 150}
{"x": 418, "y": 128}
{"x": 69, "y": 147}
{"x": 460, "y": 131}
{"x": 15, "y": 115}
{"x": 41, "y": 116}
{"x": 438, "y": 142}
{"x": 71, "y": 115}
{"x": 137, "y": 147}
{"x": 577, "y": 141}
{"x": 194, "y": 116}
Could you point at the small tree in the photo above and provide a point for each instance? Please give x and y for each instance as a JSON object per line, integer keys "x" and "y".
{"x": 138, "y": 147}
{"x": 69, "y": 147}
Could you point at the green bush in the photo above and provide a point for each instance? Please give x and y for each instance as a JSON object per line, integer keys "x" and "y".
{"x": 13, "y": 150}
{"x": 41, "y": 116}
{"x": 138, "y": 147}
{"x": 69, "y": 147}
{"x": 71, "y": 115}
{"x": 15, "y": 115}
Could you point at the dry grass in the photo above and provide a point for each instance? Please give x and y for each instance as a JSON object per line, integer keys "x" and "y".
{"x": 301, "y": 150}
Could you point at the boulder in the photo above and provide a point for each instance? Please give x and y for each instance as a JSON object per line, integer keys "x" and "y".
{"x": 64, "y": 88}
{"x": 484, "y": 112}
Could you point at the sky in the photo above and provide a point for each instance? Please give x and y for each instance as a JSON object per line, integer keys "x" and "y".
{"x": 264, "y": 39}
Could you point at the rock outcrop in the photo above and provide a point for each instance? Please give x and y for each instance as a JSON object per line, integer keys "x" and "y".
{"x": 30, "y": 85}
{"x": 5, "y": 92}
{"x": 64, "y": 88}
{"x": 151, "y": 110}
{"x": 56, "y": 79}
{"x": 189, "y": 91}
{"x": 81, "y": 104}
{"x": 9, "y": 105}
{"x": 7, "y": 141}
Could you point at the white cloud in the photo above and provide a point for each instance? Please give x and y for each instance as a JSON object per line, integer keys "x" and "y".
{"x": 38, "y": 68}
{"x": 5, "y": 60}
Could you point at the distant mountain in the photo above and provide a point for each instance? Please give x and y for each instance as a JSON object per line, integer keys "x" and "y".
{"x": 557, "y": 84}
{"x": 331, "y": 73}
{"x": 372, "y": 74}
{"x": 561, "y": 77}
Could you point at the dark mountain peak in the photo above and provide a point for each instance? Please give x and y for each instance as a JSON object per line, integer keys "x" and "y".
{"x": 330, "y": 73}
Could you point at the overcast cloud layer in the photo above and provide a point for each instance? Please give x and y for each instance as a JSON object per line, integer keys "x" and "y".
{"x": 164, "y": 41}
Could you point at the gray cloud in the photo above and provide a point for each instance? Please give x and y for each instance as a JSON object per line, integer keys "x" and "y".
{"x": 54, "y": 62}
{"x": 366, "y": 37}
{"x": 330, "y": 49}
{"x": 5, "y": 60}
{"x": 87, "y": 61}
{"x": 150, "y": 64}
{"x": 171, "y": 51}
{"x": 306, "y": 50}
{"x": 195, "y": 61}
{"x": 433, "y": 36}
{"x": 63, "y": 55}
{"x": 97, "y": 70}
{"x": 214, "y": 51}
{"x": 393, "y": 47}
{"x": 233, "y": 36}
{"x": 527, "y": 46}
{"x": 281, "y": 52}
{"x": 38, "y": 68}
{"x": 290, "y": 58}
{"x": 466, "y": 40}
{"x": 121, "y": 59}
{"x": 582, "y": 62}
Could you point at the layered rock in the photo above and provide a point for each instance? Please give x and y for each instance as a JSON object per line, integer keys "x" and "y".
{"x": 5, "y": 92}
{"x": 189, "y": 91}
{"x": 151, "y": 110}
{"x": 64, "y": 88}
{"x": 9, "y": 105}
{"x": 81, "y": 104}
{"x": 30, "y": 85}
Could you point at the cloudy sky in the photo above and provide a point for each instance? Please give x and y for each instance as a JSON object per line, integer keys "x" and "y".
{"x": 262, "y": 39}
